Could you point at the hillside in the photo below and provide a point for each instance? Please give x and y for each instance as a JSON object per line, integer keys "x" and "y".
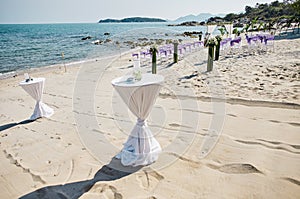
{"x": 200, "y": 17}
{"x": 278, "y": 14}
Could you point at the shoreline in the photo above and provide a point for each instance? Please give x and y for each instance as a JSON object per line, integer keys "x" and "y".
{"x": 20, "y": 72}
{"x": 187, "y": 59}
{"x": 4, "y": 75}
{"x": 47, "y": 44}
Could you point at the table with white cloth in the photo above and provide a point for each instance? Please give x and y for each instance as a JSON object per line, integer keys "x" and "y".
{"x": 35, "y": 88}
{"x": 141, "y": 148}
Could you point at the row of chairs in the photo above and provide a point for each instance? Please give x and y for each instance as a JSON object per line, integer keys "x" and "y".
{"x": 255, "y": 43}
{"x": 260, "y": 41}
{"x": 229, "y": 43}
{"x": 164, "y": 53}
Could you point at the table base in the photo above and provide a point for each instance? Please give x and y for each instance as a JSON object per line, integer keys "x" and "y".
{"x": 41, "y": 110}
{"x": 141, "y": 148}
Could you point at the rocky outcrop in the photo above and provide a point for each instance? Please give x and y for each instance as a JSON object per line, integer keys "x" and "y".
{"x": 189, "y": 23}
{"x": 86, "y": 38}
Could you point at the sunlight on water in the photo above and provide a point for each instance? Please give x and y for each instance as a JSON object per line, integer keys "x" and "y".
{"x": 24, "y": 46}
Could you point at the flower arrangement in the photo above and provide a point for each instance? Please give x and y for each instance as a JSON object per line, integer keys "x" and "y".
{"x": 137, "y": 74}
{"x": 222, "y": 30}
{"x": 218, "y": 38}
{"x": 217, "y": 51}
{"x": 153, "y": 51}
{"x": 212, "y": 41}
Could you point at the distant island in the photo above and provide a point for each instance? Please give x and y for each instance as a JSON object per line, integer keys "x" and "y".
{"x": 132, "y": 19}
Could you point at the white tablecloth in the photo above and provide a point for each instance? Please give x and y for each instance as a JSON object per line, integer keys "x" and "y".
{"x": 141, "y": 148}
{"x": 35, "y": 89}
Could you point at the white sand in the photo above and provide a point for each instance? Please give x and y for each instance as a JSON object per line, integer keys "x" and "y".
{"x": 257, "y": 154}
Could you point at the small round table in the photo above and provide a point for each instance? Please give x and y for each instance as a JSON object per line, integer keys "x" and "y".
{"x": 35, "y": 88}
{"x": 141, "y": 148}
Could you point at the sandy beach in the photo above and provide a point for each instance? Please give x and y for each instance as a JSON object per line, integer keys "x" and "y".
{"x": 229, "y": 133}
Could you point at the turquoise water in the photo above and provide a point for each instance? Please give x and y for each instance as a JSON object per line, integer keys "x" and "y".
{"x": 24, "y": 46}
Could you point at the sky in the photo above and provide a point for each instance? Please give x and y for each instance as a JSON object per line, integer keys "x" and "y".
{"x": 91, "y": 11}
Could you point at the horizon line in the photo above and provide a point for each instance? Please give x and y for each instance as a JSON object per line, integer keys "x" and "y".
{"x": 97, "y": 21}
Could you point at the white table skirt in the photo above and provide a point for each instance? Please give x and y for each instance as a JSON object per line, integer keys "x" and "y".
{"x": 141, "y": 148}
{"x": 35, "y": 89}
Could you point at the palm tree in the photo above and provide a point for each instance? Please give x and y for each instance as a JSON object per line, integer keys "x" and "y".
{"x": 281, "y": 24}
{"x": 296, "y": 22}
{"x": 253, "y": 23}
{"x": 288, "y": 24}
{"x": 261, "y": 24}
{"x": 246, "y": 28}
{"x": 271, "y": 25}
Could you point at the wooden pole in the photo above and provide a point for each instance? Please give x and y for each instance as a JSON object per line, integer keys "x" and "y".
{"x": 175, "y": 55}
{"x": 210, "y": 60}
{"x": 153, "y": 51}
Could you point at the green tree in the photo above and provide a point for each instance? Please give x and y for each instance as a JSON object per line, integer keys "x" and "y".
{"x": 295, "y": 6}
{"x": 275, "y": 4}
{"x": 235, "y": 31}
{"x": 248, "y": 9}
{"x": 230, "y": 17}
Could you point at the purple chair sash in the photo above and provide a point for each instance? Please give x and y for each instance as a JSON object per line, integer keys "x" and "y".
{"x": 268, "y": 37}
{"x": 135, "y": 55}
{"x": 235, "y": 41}
{"x": 253, "y": 38}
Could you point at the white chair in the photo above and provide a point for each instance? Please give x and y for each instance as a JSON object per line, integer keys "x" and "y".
{"x": 269, "y": 41}
{"x": 235, "y": 45}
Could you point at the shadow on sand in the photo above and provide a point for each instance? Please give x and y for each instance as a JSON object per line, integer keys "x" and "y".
{"x": 112, "y": 171}
{"x": 10, "y": 125}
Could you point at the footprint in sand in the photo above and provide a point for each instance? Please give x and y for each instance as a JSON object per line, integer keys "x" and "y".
{"x": 13, "y": 160}
{"x": 174, "y": 125}
{"x": 232, "y": 115}
{"x": 106, "y": 191}
{"x": 149, "y": 178}
{"x": 236, "y": 168}
{"x": 280, "y": 146}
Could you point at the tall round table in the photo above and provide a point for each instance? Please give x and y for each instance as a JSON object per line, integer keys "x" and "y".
{"x": 35, "y": 88}
{"x": 141, "y": 148}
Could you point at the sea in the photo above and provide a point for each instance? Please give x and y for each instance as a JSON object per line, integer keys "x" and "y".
{"x": 27, "y": 46}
